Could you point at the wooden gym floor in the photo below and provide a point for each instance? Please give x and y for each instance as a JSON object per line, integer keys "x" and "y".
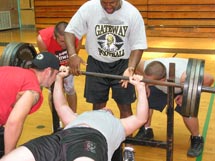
{"x": 40, "y": 123}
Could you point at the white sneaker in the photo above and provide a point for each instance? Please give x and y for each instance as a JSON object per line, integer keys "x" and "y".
{"x": 128, "y": 154}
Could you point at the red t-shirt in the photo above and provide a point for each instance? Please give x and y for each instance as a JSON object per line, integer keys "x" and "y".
{"x": 53, "y": 47}
{"x": 12, "y": 81}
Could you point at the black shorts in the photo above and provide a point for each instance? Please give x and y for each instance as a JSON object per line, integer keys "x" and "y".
{"x": 1, "y": 141}
{"x": 97, "y": 88}
{"x": 158, "y": 100}
{"x": 69, "y": 144}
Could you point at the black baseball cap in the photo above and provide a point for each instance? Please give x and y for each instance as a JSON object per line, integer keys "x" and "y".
{"x": 45, "y": 59}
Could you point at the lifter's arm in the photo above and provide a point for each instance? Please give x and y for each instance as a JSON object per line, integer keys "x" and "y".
{"x": 134, "y": 122}
{"x": 64, "y": 111}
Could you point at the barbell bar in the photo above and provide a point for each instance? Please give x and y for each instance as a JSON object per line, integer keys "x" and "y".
{"x": 155, "y": 82}
{"x": 111, "y": 76}
{"x": 192, "y": 87}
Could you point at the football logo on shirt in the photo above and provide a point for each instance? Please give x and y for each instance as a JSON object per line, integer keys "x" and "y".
{"x": 110, "y": 39}
{"x": 110, "y": 42}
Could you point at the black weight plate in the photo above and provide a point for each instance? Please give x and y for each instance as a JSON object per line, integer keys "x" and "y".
{"x": 192, "y": 87}
{"x": 5, "y": 57}
{"x": 191, "y": 76}
{"x": 17, "y": 54}
{"x": 187, "y": 84}
{"x": 197, "y": 86}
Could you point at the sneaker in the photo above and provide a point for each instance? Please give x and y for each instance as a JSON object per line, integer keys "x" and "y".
{"x": 145, "y": 134}
{"x": 128, "y": 154}
{"x": 196, "y": 147}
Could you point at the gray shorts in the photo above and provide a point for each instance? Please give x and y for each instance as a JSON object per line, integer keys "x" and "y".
{"x": 68, "y": 83}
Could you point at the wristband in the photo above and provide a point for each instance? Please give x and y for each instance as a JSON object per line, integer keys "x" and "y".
{"x": 73, "y": 55}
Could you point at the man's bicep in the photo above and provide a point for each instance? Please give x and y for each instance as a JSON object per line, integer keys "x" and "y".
{"x": 22, "y": 106}
{"x": 40, "y": 44}
{"x": 36, "y": 96}
{"x": 131, "y": 124}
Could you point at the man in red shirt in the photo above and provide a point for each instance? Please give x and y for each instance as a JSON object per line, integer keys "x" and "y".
{"x": 21, "y": 95}
{"x": 51, "y": 39}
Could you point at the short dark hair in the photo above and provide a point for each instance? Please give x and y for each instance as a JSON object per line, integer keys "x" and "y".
{"x": 59, "y": 28}
{"x": 156, "y": 69}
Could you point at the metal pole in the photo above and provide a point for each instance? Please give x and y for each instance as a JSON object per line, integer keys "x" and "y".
{"x": 170, "y": 115}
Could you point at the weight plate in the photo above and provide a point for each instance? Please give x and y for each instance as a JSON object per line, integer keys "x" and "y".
{"x": 197, "y": 85}
{"x": 17, "y": 54}
{"x": 192, "y": 87}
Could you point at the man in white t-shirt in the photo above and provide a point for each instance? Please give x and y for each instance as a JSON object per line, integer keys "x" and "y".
{"x": 115, "y": 41}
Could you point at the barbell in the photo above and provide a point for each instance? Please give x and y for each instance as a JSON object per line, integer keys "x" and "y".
{"x": 192, "y": 87}
{"x": 17, "y": 54}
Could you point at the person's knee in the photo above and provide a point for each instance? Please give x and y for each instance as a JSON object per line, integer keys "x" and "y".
{"x": 125, "y": 110}
{"x": 98, "y": 106}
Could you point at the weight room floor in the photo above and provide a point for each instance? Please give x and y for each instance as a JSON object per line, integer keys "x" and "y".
{"x": 40, "y": 123}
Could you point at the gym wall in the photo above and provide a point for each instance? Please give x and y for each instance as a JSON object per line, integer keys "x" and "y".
{"x": 178, "y": 18}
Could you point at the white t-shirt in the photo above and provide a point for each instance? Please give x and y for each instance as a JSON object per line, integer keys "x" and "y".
{"x": 109, "y": 37}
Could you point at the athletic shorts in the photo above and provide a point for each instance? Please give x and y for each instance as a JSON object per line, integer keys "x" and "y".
{"x": 97, "y": 89}
{"x": 1, "y": 141}
{"x": 69, "y": 85}
{"x": 158, "y": 100}
{"x": 69, "y": 144}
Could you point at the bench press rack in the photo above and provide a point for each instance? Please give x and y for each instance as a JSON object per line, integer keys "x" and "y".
{"x": 168, "y": 144}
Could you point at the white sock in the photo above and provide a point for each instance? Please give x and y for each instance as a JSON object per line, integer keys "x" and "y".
{"x": 129, "y": 148}
{"x": 148, "y": 127}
